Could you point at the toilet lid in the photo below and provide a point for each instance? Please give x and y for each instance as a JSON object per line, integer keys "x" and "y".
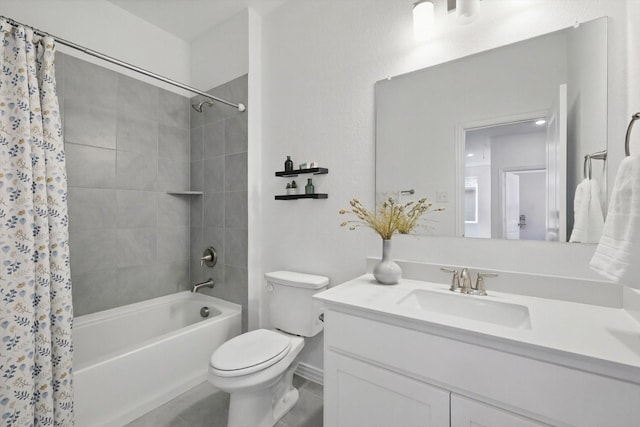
{"x": 250, "y": 352}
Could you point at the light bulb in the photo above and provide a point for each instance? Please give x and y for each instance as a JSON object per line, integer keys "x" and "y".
{"x": 467, "y": 11}
{"x": 422, "y": 20}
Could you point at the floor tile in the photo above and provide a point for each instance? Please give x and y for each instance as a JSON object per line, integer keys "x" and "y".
{"x": 204, "y": 406}
{"x": 314, "y": 388}
{"x": 163, "y": 416}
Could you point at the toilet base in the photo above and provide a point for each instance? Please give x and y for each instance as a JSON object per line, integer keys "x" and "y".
{"x": 263, "y": 407}
{"x": 285, "y": 403}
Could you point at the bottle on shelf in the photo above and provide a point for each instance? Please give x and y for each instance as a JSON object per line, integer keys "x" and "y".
{"x": 309, "y": 188}
{"x": 288, "y": 164}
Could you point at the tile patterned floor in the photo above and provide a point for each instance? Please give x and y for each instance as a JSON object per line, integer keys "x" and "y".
{"x": 203, "y": 406}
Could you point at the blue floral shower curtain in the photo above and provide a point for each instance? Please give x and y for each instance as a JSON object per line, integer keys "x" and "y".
{"x": 35, "y": 282}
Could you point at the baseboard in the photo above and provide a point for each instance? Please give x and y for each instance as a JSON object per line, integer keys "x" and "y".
{"x": 310, "y": 373}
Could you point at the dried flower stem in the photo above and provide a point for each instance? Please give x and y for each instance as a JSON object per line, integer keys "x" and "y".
{"x": 391, "y": 217}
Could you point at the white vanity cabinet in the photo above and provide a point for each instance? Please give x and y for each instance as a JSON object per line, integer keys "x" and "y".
{"x": 360, "y": 391}
{"x": 362, "y": 394}
{"x": 467, "y": 412}
{"x": 385, "y": 367}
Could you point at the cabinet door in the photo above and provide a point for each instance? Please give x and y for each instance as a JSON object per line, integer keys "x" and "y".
{"x": 359, "y": 394}
{"x": 471, "y": 413}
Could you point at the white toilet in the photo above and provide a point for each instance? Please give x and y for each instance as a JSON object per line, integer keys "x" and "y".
{"x": 257, "y": 367}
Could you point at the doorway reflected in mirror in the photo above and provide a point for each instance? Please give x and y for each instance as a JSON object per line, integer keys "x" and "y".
{"x": 505, "y": 176}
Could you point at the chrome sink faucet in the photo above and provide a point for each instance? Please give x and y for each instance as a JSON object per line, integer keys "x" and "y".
{"x": 465, "y": 277}
{"x": 461, "y": 282}
{"x": 206, "y": 284}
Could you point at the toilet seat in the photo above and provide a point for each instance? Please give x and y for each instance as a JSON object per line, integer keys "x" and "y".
{"x": 249, "y": 352}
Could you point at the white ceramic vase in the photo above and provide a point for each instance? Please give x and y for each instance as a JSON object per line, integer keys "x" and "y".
{"x": 386, "y": 271}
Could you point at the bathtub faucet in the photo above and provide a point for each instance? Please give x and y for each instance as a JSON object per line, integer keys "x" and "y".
{"x": 207, "y": 284}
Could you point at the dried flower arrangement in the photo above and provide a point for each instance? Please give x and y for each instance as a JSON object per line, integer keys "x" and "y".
{"x": 392, "y": 217}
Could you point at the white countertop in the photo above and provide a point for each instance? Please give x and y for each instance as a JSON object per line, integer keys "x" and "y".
{"x": 597, "y": 339}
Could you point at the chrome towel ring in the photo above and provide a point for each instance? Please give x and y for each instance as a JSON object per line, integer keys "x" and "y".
{"x": 635, "y": 117}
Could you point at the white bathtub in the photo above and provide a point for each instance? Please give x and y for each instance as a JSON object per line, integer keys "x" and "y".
{"x": 131, "y": 359}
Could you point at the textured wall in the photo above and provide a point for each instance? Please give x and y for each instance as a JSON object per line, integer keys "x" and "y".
{"x": 219, "y": 217}
{"x": 127, "y": 144}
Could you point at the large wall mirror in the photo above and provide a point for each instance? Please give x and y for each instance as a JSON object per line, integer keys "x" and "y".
{"x": 498, "y": 138}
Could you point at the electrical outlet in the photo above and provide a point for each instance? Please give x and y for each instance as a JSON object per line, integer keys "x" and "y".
{"x": 442, "y": 197}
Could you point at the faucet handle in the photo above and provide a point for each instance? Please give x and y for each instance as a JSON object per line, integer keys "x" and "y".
{"x": 480, "y": 288}
{"x": 209, "y": 257}
{"x": 455, "y": 280}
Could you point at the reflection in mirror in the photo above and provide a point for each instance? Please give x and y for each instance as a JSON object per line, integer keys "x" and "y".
{"x": 498, "y": 138}
{"x": 512, "y": 206}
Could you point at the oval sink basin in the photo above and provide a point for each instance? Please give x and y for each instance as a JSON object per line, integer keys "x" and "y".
{"x": 468, "y": 307}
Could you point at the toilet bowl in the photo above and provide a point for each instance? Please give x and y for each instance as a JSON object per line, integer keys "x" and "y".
{"x": 261, "y": 384}
{"x": 257, "y": 367}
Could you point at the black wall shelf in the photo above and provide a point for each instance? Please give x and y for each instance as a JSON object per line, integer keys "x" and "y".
{"x": 186, "y": 193}
{"x": 302, "y": 196}
{"x": 296, "y": 172}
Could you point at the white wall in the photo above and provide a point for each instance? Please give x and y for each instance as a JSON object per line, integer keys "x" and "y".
{"x": 222, "y": 53}
{"x": 321, "y": 60}
{"x": 104, "y": 27}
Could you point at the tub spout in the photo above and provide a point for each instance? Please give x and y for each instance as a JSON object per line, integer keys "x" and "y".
{"x": 207, "y": 284}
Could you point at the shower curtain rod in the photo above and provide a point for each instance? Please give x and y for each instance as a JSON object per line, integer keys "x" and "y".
{"x": 241, "y": 107}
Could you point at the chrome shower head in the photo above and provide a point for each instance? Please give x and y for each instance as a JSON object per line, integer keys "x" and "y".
{"x": 198, "y": 107}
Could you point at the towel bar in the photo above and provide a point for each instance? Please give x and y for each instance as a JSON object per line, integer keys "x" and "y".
{"x": 587, "y": 159}
{"x": 599, "y": 155}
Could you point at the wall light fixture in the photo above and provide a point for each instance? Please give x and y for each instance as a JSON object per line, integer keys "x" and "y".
{"x": 467, "y": 11}
{"x": 423, "y": 19}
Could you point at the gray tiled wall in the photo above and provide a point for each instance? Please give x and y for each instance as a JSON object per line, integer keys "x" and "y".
{"x": 127, "y": 143}
{"x": 219, "y": 169}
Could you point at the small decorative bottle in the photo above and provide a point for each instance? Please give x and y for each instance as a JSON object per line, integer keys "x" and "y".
{"x": 288, "y": 164}
{"x": 294, "y": 187}
{"x": 309, "y": 188}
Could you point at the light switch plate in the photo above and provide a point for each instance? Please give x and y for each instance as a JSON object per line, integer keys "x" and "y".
{"x": 442, "y": 197}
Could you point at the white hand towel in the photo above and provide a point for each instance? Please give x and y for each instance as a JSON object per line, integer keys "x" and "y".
{"x": 588, "y": 218}
{"x": 617, "y": 256}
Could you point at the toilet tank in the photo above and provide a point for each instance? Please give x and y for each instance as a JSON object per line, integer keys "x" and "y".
{"x": 290, "y": 304}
